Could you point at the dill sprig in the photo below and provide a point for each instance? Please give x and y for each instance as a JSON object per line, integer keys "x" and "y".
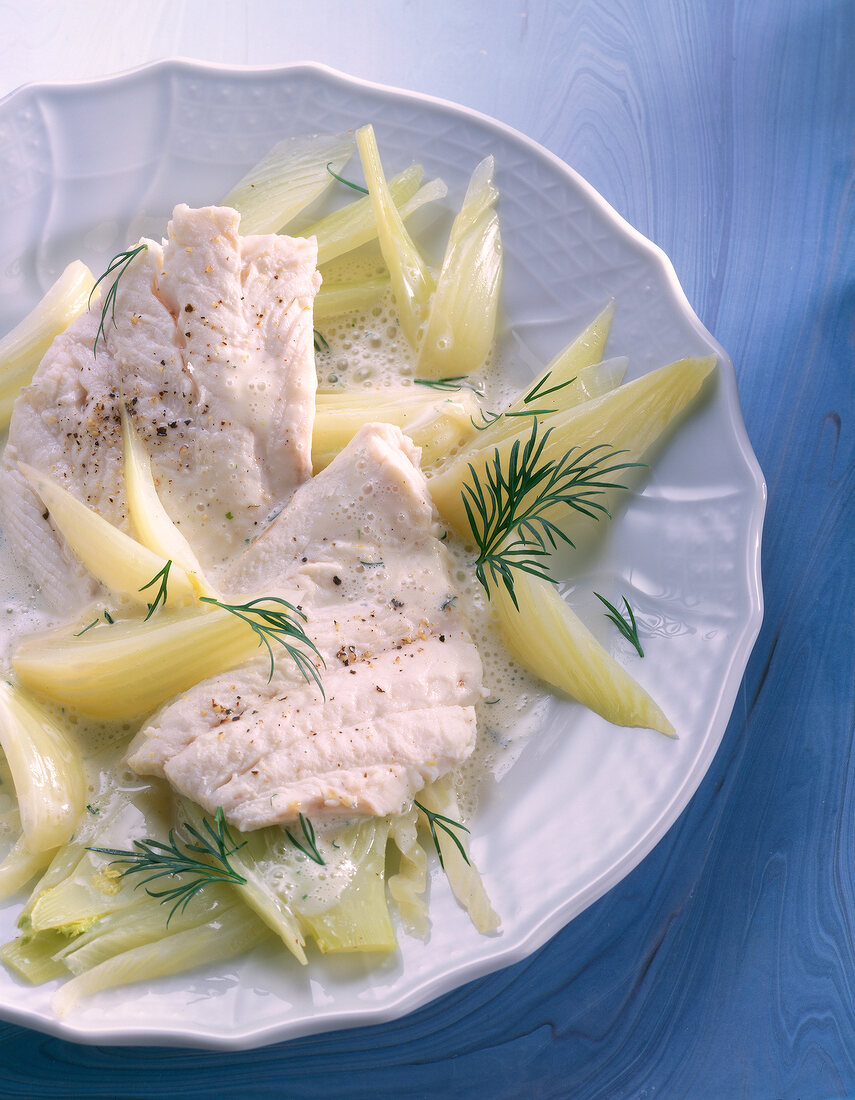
{"x": 440, "y": 821}
{"x": 160, "y": 595}
{"x": 507, "y": 508}
{"x": 488, "y": 418}
{"x": 118, "y": 265}
{"x": 311, "y": 849}
{"x": 159, "y": 860}
{"x": 347, "y": 183}
{"x": 455, "y": 382}
{"x": 108, "y": 618}
{"x": 271, "y": 625}
{"x": 625, "y": 624}
{"x": 537, "y": 390}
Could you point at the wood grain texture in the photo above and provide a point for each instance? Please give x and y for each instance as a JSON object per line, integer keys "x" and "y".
{"x": 723, "y": 965}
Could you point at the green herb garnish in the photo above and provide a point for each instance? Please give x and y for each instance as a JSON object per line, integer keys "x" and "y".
{"x": 276, "y": 626}
{"x": 160, "y": 596}
{"x": 309, "y": 835}
{"x": 626, "y": 625}
{"x": 440, "y": 821}
{"x": 457, "y": 382}
{"x": 488, "y": 418}
{"x": 108, "y": 618}
{"x": 537, "y": 390}
{"x": 320, "y": 342}
{"x": 507, "y": 509}
{"x": 347, "y": 183}
{"x": 161, "y": 860}
{"x": 119, "y": 264}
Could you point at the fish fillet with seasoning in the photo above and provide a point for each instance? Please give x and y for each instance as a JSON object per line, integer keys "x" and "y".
{"x": 358, "y": 549}
{"x": 212, "y": 353}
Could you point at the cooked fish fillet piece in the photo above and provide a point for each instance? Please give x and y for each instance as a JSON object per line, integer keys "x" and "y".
{"x": 213, "y": 354}
{"x": 380, "y": 735}
{"x": 358, "y": 550}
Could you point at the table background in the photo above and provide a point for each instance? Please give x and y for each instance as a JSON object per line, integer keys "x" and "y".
{"x": 724, "y": 965}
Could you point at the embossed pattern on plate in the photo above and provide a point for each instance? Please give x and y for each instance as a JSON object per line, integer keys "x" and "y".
{"x": 586, "y": 801}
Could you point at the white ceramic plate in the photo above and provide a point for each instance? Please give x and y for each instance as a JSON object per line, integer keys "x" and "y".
{"x": 85, "y": 168}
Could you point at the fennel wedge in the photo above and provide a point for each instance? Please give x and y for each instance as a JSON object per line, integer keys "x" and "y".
{"x": 628, "y": 420}
{"x": 22, "y": 349}
{"x": 47, "y": 770}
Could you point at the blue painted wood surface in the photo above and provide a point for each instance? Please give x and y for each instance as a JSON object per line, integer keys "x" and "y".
{"x": 724, "y": 966}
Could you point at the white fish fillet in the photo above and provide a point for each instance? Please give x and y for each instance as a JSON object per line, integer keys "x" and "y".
{"x": 213, "y": 354}
{"x": 358, "y": 549}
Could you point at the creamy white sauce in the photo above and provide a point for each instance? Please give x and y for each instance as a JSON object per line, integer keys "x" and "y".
{"x": 20, "y": 610}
